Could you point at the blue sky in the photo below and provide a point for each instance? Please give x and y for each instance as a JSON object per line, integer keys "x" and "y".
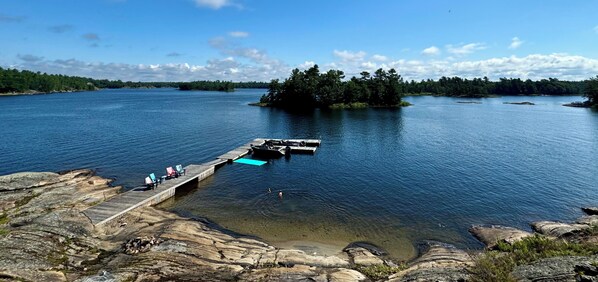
{"x": 181, "y": 40}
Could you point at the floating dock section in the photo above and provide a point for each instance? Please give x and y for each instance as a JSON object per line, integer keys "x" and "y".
{"x": 141, "y": 197}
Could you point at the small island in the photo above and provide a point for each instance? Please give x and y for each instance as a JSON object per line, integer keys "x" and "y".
{"x": 311, "y": 89}
{"x": 519, "y": 103}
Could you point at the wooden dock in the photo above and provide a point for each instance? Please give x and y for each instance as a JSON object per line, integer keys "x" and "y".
{"x": 141, "y": 197}
{"x": 311, "y": 145}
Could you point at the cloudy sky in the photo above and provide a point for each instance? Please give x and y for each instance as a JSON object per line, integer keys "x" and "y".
{"x": 242, "y": 40}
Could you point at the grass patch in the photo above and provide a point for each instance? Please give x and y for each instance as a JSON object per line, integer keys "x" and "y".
{"x": 380, "y": 271}
{"x": 405, "y": 104}
{"x": 4, "y": 219}
{"x": 498, "y": 265}
{"x": 3, "y": 232}
{"x": 57, "y": 258}
{"x": 25, "y": 200}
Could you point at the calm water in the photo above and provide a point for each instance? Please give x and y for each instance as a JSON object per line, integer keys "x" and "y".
{"x": 391, "y": 177}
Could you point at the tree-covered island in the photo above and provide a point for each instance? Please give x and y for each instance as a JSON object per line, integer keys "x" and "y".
{"x": 312, "y": 89}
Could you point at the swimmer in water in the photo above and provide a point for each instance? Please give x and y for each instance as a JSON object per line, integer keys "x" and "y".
{"x": 269, "y": 190}
{"x": 280, "y": 194}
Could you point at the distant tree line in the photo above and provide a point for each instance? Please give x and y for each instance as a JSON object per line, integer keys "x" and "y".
{"x": 483, "y": 87}
{"x": 12, "y": 80}
{"x": 217, "y": 85}
{"x": 312, "y": 89}
{"x": 16, "y": 81}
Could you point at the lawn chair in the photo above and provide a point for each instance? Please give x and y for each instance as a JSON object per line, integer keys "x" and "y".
{"x": 152, "y": 176}
{"x": 171, "y": 173}
{"x": 180, "y": 170}
{"x": 149, "y": 183}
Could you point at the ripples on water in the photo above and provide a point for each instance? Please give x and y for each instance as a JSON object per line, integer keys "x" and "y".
{"x": 392, "y": 177}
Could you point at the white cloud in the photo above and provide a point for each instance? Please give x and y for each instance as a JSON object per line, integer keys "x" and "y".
{"x": 379, "y": 58}
{"x": 350, "y": 56}
{"x": 238, "y": 34}
{"x": 215, "y": 4}
{"x": 306, "y": 65}
{"x": 248, "y": 64}
{"x": 368, "y": 66}
{"x": 515, "y": 43}
{"x": 465, "y": 49}
{"x": 431, "y": 51}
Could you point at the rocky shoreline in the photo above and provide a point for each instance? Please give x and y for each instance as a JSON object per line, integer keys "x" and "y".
{"x": 44, "y": 236}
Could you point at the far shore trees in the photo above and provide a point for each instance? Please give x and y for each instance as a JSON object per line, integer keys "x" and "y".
{"x": 24, "y": 81}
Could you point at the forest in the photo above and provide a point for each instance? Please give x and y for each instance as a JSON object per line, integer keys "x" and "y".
{"x": 483, "y": 87}
{"x": 17, "y": 81}
{"x": 312, "y": 89}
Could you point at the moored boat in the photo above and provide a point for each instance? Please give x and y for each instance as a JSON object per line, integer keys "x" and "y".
{"x": 269, "y": 150}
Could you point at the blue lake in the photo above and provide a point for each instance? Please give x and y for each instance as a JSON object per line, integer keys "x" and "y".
{"x": 394, "y": 177}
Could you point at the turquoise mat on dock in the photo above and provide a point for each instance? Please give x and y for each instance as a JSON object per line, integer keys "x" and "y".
{"x": 250, "y": 162}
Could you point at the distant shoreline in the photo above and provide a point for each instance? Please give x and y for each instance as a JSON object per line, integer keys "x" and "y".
{"x": 34, "y": 92}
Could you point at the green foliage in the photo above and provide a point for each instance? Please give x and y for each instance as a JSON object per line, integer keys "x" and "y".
{"x": 498, "y": 265}
{"x": 4, "y": 219}
{"x": 312, "y": 89}
{"x": 26, "y": 199}
{"x": 591, "y": 91}
{"x": 380, "y": 271}
{"x": 405, "y": 104}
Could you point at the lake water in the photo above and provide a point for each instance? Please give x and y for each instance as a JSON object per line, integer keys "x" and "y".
{"x": 393, "y": 177}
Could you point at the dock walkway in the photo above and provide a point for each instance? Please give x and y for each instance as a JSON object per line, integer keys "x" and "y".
{"x": 140, "y": 197}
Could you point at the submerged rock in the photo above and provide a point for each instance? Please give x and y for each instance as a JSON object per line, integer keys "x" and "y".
{"x": 590, "y": 210}
{"x": 519, "y": 103}
{"x": 441, "y": 262}
{"x": 491, "y": 235}
{"x": 558, "y": 229}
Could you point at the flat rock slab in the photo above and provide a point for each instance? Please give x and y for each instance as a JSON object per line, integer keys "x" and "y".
{"x": 492, "y": 235}
{"x": 441, "y": 262}
{"x": 292, "y": 257}
{"x": 362, "y": 256}
{"x": 591, "y": 220}
{"x": 558, "y": 229}
{"x": 552, "y": 269}
{"x": 23, "y": 180}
